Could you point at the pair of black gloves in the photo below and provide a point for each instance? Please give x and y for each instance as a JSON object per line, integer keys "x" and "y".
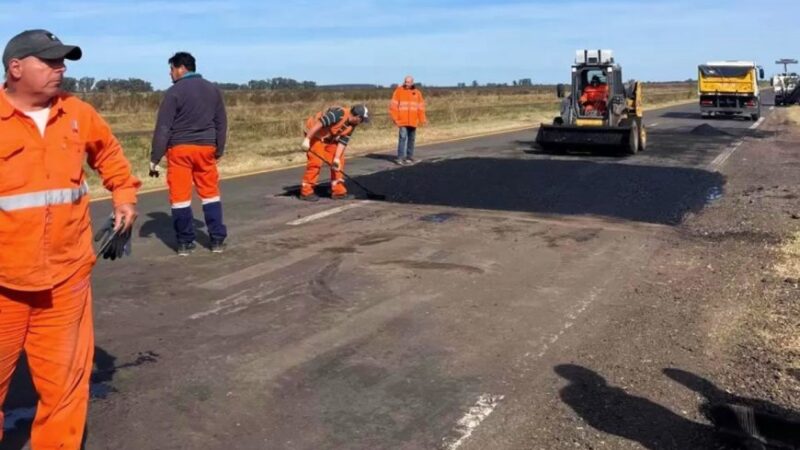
{"x": 114, "y": 244}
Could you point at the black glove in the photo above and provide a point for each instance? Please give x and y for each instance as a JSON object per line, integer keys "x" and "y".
{"x": 115, "y": 244}
{"x": 154, "y": 170}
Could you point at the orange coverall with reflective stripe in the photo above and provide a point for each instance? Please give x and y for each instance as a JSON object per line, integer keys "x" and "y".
{"x": 594, "y": 98}
{"x": 47, "y": 255}
{"x": 407, "y": 107}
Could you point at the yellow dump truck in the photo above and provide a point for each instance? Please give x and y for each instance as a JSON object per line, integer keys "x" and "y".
{"x": 730, "y": 88}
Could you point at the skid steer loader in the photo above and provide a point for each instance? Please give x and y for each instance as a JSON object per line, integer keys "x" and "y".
{"x": 598, "y": 109}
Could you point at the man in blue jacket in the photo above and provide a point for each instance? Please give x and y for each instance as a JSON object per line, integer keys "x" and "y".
{"x": 191, "y": 130}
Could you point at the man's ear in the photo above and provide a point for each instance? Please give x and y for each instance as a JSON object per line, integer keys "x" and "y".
{"x": 14, "y": 69}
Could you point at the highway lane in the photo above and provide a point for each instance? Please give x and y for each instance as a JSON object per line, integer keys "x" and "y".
{"x": 383, "y": 324}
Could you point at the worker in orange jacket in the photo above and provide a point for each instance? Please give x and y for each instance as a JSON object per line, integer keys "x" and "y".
{"x": 407, "y": 110}
{"x": 595, "y": 97}
{"x": 327, "y": 135}
{"x": 45, "y": 231}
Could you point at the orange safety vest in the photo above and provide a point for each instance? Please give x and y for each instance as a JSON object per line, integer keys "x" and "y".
{"x": 331, "y": 134}
{"x": 407, "y": 107}
{"x": 45, "y": 231}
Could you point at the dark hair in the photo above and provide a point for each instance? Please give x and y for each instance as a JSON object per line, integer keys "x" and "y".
{"x": 184, "y": 59}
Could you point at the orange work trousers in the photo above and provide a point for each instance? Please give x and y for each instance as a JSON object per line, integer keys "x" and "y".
{"x": 55, "y": 329}
{"x": 189, "y": 164}
{"x": 314, "y": 165}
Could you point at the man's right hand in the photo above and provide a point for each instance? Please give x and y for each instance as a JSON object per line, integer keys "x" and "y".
{"x": 155, "y": 171}
{"x": 306, "y": 145}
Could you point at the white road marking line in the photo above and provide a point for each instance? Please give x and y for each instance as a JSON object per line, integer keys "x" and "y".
{"x": 772, "y": 108}
{"x": 272, "y": 264}
{"x": 717, "y": 163}
{"x": 472, "y": 419}
{"x": 654, "y": 124}
{"x": 328, "y": 213}
{"x": 571, "y": 318}
{"x": 758, "y": 123}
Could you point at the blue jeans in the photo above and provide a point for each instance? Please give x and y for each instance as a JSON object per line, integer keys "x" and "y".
{"x": 405, "y": 144}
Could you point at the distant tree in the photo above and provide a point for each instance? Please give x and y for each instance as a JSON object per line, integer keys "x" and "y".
{"x": 85, "y": 84}
{"x": 258, "y": 85}
{"x": 122, "y": 85}
{"x": 475, "y": 83}
{"x": 525, "y": 82}
{"x": 462, "y": 85}
{"x": 515, "y": 82}
{"x": 230, "y": 86}
{"x": 69, "y": 84}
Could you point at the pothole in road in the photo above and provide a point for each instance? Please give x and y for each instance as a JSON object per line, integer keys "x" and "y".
{"x": 713, "y": 194}
{"x": 438, "y": 218}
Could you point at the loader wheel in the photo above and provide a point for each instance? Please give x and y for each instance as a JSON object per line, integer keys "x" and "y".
{"x": 633, "y": 139}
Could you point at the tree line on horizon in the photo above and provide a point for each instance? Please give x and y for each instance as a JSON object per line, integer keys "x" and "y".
{"x": 90, "y": 84}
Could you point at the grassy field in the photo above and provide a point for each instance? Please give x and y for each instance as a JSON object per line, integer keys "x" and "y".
{"x": 265, "y": 126}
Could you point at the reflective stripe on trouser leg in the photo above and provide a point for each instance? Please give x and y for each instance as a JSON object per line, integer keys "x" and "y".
{"x": 183, "y": 222}
{"x": 212, "y": 210}
{"x": 337, "y": 179}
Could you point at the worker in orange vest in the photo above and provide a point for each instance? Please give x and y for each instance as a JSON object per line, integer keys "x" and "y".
{"x": 407, "y": 110}
{"x": 46, "y": 136}
{"x": 595, "y": 97}
{"x": 327, "y": 135}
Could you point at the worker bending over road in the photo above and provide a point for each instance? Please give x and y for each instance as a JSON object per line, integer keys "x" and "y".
{"x": 191, "y": 129}
{"x": 327, "y": 135}
{"x": 46, "y": 260}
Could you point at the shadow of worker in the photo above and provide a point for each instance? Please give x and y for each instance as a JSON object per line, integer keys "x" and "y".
{"x": 612, "y": 410}
{"x": 753, "y": 422}
{"x": 159, "y": 224}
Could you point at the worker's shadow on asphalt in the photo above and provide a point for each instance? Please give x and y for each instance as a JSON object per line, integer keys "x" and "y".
{"x": 159, "y": 224}
{"x": 628, "y": 192}
{"x": 20, "y": 404}
{"x": 613, "y": 410}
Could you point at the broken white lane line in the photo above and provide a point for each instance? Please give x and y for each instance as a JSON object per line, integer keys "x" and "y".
{"x": 328, "y": 213}
{"x": 758, "y": 123}
{"x": 653, "y": 124}
{"x": 472, "y": 419}
{"x": 717, "y": 163}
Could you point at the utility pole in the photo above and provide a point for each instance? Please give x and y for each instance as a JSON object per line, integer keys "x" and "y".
{"x": 786, "y": 63}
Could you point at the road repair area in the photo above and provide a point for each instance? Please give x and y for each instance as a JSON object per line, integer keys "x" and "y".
{"x": 500, "y": 298}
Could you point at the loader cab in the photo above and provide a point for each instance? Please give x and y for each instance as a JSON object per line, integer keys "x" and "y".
{"x": 594, "y": 87}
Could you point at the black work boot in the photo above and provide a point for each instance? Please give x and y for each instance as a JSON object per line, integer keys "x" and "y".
{"x": 186, "y": 249}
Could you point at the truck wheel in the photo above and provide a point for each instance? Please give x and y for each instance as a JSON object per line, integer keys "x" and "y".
{"x": 755, "y": 116}
{"x": 633, "y": 139}
{"x": 642, "y": 138}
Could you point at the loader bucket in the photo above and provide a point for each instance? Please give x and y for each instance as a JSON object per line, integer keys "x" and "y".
{"x": 577, "y": 137}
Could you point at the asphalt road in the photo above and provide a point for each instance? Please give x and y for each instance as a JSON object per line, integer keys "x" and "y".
{"x": 403, "y": 324}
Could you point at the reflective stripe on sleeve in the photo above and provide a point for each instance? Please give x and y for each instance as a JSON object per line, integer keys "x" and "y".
{"x": 43, "y": 198}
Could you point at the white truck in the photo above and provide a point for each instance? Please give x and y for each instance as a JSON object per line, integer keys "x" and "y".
{"x": 787, "y": 88}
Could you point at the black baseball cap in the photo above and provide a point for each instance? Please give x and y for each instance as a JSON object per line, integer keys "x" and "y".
{"x": 360, "y": 111}
{"x": 40, "y": 43}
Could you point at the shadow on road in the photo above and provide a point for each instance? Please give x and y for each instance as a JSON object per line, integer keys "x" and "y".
{"x": 640, "y": 193}
{"x": 752, "y": 421}
{"x": 612, "y": 410}
{"x": 159, "y": 224}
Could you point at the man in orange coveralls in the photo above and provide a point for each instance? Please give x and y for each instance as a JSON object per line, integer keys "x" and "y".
{"x": 45, "y": 231}
{"x": 327, "y": 136}
{"x": 595, "y": 97}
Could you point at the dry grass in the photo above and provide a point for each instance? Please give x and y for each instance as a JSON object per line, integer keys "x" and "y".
{"x": 789, "y": 265}
{"x": 265, "y": 127}
{"x": 793, "y": 114}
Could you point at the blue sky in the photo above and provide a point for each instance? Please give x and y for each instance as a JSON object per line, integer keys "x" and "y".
{"x": 441, "y": 42}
